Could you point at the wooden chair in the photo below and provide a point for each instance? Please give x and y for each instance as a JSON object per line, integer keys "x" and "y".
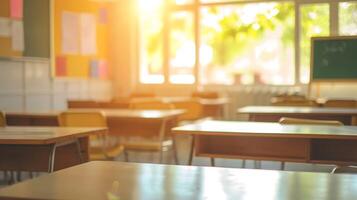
{"x": 82, "y": 104}
{"x": 205, "y": 94}
{"x": 141, "y": 94}
{"x": 289, "y": 120}
{"x": 340, "y": 103}
{"x": 100, "y": 147}
{"x": 159, "y": 143}
{"x": 292, "y": 102}
{"x": 193, "y": 110}
{"x": 152, "y": 104}
{"x": 2, "y": 119}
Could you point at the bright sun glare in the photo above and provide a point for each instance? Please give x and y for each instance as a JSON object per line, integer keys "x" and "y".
{"x": 150, "y": 6}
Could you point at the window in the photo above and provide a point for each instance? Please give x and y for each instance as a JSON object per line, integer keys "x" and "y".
{"x": 235, "y": 42}
{"x": 182, "y": 48}
{"x": 151, "y": 34}
{"x": 314, "y": 22}
{"x": 348, "y": 18}
{"x": 247, "y": 43}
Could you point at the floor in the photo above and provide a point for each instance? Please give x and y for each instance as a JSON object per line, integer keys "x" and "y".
{"x": 183, "y": 146}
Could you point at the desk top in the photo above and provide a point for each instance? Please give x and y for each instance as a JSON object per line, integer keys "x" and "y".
{"x": 104, "y": 179}
{"x": 234, "y": 128}
{"x": 203, "y": 101}
{"x": 295, "y": 110}
{"x": 117, "y": 113}
{"x": 43, "y": 135}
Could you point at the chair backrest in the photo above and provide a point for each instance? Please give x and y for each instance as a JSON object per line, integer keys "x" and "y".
{"x": 82, "y": 119}
{"x": 289, "y": 120}
{"x": 193, "y": 109}
{"x": 82, "y": 104}
{"x": 150, "y": 105}
{"x": 293, "y": 102}
{"x": 2, "y": 119}
{"x": 340, "y": 103}
{"x": 141, "y": 94}
{"x": 205, "y": 94}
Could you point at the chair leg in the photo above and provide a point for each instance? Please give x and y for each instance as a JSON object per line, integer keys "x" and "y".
{"x": 257, "y": 164}
{"x": 191, "y": 150}
{"x": 282, "y": 166}
{"x": 243, "y": 164}
{"x": 212, "y": 162}
{"x": 160, "y": 156}
{"x": 126, "y": 156}
{"x": 18, "y": 176}
{"x": 31, "y": 174}
{"x": 174, "y": 150}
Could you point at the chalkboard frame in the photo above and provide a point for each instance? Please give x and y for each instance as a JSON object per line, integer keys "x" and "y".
{"x": 320, "y": 80}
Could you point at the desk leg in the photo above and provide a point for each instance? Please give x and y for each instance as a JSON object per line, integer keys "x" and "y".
{"x": 191, "y": 150}
{"x": 51, "y": 159}
{"x": 52, "y": 156}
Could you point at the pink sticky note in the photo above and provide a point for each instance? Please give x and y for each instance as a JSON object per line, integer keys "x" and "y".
{"x": 61, "y": 66}
{"x": 103, "y": 16}
{"x": 16, "y": 9}
{"x": 103, "y": 69}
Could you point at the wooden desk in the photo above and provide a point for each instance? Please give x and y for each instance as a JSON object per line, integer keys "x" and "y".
{"x": 100, "y": 179}
{"x": 43, "y": 148}
{"x": 211, "y": 107}
{"x": 272, "y": 141}
{"x": 274, "y": 113}
{"x": 119, "y": 120}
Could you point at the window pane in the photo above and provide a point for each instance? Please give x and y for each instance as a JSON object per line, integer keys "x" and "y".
{"x": 182, "y": 2}
{"x": 348, "y": 18}
{"x": 214, "y": 1}
{"x": 182, "y": 48}
{"x": 151, "y": 53}
{"x": 314, "y": 22}
{"x": 247, "y": 43}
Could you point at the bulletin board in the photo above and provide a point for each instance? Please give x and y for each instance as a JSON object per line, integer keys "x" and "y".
{"x": 25, "y": 28}
{"x": 81, "y": 29}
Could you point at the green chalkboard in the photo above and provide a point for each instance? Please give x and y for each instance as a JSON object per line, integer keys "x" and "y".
{"x": 37, "y": 28}
{"x": 334, "y": 58}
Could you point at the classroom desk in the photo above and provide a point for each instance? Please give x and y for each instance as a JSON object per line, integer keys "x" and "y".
{"x": 43, "y": 148}
{"x": 273, "y": 113}
{"x": 116, "y": 180}
{"x": 121, "y": 122}
{"x": 272, "y": 141}
{"x": 210, "y": 107}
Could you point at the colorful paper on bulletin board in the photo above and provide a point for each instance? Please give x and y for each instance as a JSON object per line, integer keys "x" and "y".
{"x": 88, "y": 34}
{"x": 17, "y": 33}
{"x": 5, "y": 27}
{"x": 103, "y": 69}
{"x": 61, "y": 66}
{"x": 103, "y": 16}
{"x": 16, "y": 9}
{"x": 94, "y": 68}
{"x": 70, "y": 33}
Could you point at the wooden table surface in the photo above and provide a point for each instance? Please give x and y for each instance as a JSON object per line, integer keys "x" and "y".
{"x": 43, "y": 135}
{"x": 266, "y": 129}
{"x": 126, "y": 181}
{"x": 295, "y": 109}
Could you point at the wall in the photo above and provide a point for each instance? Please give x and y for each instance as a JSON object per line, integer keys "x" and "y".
{"x": 26, "y": 85}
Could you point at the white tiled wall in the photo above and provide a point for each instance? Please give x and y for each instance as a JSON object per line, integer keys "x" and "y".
{"x": 27, "y": 85}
